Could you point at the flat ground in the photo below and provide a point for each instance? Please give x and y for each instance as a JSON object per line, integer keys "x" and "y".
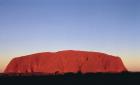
{"x": 127, "y": 78}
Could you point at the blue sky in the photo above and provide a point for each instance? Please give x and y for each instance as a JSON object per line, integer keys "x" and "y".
{"x": 30, "y": 26}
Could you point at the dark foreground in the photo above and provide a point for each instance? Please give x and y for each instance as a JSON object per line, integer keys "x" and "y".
{"x": 72, "y": 79}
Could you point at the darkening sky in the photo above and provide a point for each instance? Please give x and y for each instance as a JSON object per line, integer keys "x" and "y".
{"x": 110, "y": 26}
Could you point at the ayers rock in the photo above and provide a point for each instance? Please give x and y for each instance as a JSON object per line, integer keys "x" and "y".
{"x": 66, "y": 61}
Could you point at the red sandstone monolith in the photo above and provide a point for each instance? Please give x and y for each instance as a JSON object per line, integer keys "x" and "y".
{"x": 66, "y": 61}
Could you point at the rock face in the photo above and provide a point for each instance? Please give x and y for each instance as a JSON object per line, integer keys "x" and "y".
{"x": 65, "y": 62}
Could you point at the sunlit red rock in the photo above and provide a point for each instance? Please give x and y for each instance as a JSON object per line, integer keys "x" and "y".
{"x": 65, "y": 62}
